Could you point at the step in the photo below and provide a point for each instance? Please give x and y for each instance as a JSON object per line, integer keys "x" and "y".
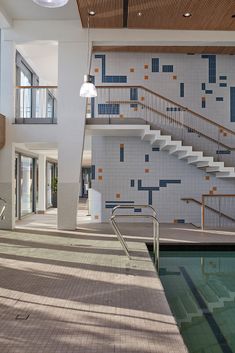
{"x": 168, "y": 145}
{"x": 161, "y": 138}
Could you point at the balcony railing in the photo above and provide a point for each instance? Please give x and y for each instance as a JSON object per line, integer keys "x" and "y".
{"x": 36, "y": 105}
{"x": 125, "y": 103}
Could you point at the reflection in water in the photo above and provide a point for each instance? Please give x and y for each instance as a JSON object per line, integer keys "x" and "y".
{"x": 200, "y": 288}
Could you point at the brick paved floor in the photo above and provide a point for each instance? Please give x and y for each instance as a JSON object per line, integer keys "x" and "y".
{"x": 75, "y": 292}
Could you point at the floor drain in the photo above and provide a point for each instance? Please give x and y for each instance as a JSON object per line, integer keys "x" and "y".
{"x": 22, "y": 316}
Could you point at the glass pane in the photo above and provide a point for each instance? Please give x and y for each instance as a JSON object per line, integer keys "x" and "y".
{"x": 25, "y": 97}
{"x": 26, "y": 181}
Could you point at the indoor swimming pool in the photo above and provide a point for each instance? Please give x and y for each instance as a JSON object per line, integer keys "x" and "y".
{"x": 200, "y": 289}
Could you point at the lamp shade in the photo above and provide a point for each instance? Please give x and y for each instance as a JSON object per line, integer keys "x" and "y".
{"x": 51, "y": 3}
{"x": 88, "y": 89}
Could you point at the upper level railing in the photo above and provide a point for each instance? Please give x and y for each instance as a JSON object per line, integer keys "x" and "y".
{"x": 36, "y": 104}
{"x": 172, "y": 118}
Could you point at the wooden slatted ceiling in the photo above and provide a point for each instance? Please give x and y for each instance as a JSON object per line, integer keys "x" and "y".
{"x": 161, "y": 14}
{"x": 167, "y": 49}
{"x": 109, "y": 13}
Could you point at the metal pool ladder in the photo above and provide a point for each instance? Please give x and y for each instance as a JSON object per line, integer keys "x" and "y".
{"x": 3, "y": 209}
{"x": 153, "y": 216}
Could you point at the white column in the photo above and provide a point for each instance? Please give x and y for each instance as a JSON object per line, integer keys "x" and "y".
{"x": 71, "y": 124}
{"x": 41, "y": 183}
{"x": 7, "y": 154}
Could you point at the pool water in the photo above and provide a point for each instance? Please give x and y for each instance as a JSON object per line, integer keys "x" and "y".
{"x": 200, "y": 289}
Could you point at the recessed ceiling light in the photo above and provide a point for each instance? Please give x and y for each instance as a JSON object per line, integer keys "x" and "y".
{"x": 51, "y": 3}
{"x": 187, "y": 14}
{"x": 91, "y": 13}
{"x": 139, "y": 14}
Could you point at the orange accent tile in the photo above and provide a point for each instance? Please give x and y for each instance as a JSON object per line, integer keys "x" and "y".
{"x": 207, "y": 177}
{"x": 221, "y": 130}
{"x": 135, "y": 109}
{"x": 121, "y": 145}
{"x": 121, "y": 116}
{"x": 174, "y": 77}
{"x": 174, "y": 221}
{"x": 142, "y": 98}
{"x": 100, "y": 170}
{"x": 203, "y": 98}
{"x": 100, "y": 177}
{"x": 146, "y": 170}
{"x": 132, "y": 69}
{"x": 211, "y": 192}
{"x": 146, "y": 66}
{"x": 214, "y": 188}
{"x": 96, "y": 217}
{"x": 118, "y": 196}
{"x": 97, "y": 69}
{"x": 225, "y": 134}
{"x": 146, "y": 77}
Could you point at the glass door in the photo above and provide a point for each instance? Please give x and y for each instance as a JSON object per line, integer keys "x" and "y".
{"x": 27, "y": 183}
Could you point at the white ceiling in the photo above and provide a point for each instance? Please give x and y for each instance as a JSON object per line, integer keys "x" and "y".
{"x": 27, "y": 10}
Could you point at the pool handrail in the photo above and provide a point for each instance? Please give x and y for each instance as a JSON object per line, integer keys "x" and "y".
{"x": 155, "y": 227}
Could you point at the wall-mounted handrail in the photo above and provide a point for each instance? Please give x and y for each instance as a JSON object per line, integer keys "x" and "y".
{"x": 210, "y": 121}
{"x": 155, "y": 227}
{"x": 173, "y": 120}
{"x": 36, "y": 87}
{"x": 204, "y": 207}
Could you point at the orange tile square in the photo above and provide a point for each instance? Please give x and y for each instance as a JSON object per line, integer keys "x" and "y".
{"x": 135, "y": 109}
{"x": 122, "y": 145}
{"x": 203, "y": 98}
{"x": 225, "y": 134}
{"x": 118, "y": 196}
{"x": 211, "y": 192}
{"x": 221, "y": 130}
{"x": 174, "y": 77}
{"x": 146, "y": 77}
{"x": 96, "y": 217}
{"x": 97, "y": 69}
{"x": 207, "y": 177}
{"x": 146, "y": 66}
{"x": 100, "y": 177}
{"x": 214, "y": 188}
{"x": 121, "y": 116}
{"x": 142, "y": 98}
{"x": 146, "y": 170}
{"x": 132, "y": 69}
{"x": 100, "y": 170}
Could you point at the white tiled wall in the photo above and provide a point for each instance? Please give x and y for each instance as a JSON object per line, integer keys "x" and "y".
{"x": 113, "y": 177}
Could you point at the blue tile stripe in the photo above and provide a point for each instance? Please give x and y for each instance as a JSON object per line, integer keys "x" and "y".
{"x": 167, "y": 68}
{"x": 133, "y": 94}
{"x": 219, "y": 99}
{"x": 232, "y": 104}
{"x": 150, "y": 189}
{"x": 223, "y": 77}
{"x": 209, "y": 91}
{"x": 93, "y": 172}
{"x": 173, "y": 109}
{"x": 156, "y": 149}
{"x": 121, "y": 154}
{"x": 212, "y": 66}
{"x": 181, "y": 89}
{"x": 106, "y": 78}
{"x": 146, "y": 158}
{"x": 132, "y": 183}
{"x": 155, "y": 64}
{"x": 112, "y": 204}
{"x": 223, "y": 152}
{"x": 203, "y": 86}
{"x": 108, "y": 109}
{"x": 223, "y": 84}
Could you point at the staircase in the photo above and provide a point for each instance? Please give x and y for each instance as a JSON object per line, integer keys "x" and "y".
{"x": 164, "y": 143}
{"x": 189, "y": 136}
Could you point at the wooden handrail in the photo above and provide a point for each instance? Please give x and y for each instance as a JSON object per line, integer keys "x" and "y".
{"x": 36, "y": 87}
{"x": 177, "y": 122}
{"x": 211, "y": 208}
{"x": 2, "y": 131}
{"x": 172, "y": 102}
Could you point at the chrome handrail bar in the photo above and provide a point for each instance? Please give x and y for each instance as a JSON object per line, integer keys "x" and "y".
{"x": 2, "y": 212}
{"x": 155, "y": 228}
